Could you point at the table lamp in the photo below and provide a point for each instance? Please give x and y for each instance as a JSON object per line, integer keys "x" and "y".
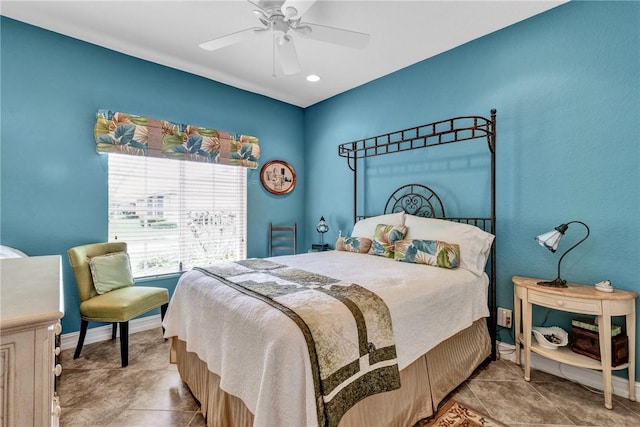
{"x": 322, "y": 228}
{"x": 551, "y": 241}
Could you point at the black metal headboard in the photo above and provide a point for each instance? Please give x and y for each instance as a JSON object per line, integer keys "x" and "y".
{"x": 415, "y": 199}
{"x": 420, "y": 200}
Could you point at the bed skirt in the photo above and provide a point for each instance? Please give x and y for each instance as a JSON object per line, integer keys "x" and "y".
{"x": 425, "y": 383}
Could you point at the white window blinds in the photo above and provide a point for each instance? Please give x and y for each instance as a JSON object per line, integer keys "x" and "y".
{"x": 176, "y": 214}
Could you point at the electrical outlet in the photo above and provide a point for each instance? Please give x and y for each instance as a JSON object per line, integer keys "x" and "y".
{"x": 504, "y": 317}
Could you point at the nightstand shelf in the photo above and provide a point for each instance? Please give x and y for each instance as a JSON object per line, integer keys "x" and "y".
{"x": 566, "y": 355}
{"x": 579, "y": 299}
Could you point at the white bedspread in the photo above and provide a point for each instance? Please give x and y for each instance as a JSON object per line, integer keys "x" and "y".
{"x": 261, "y": 355}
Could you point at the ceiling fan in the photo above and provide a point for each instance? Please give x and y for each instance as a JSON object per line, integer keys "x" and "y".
{"x": 282, "y": 19}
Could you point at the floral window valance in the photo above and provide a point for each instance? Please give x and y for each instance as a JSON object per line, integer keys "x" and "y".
{"x": 142, "y": 136}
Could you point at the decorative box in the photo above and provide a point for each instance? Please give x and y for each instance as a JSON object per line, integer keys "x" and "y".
{"x": 588, "y": 343}
{"x": 589, "y": 324}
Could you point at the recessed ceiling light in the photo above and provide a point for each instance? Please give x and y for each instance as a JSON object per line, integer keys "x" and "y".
{"x": 313, "y": 78}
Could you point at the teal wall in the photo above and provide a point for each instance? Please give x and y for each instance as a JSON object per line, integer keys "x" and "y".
{"x": 54, "y": 186}
{"x": 565, "y": 83}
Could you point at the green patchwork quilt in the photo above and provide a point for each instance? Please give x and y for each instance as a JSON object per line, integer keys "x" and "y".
{"x": 347, "y": 329}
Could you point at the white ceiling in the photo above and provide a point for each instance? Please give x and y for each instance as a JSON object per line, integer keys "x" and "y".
{"x": 168, "y": 33}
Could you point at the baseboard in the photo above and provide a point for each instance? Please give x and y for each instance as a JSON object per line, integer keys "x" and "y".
{"x": 586, "y": 377}
{"x": 103, "y": 333}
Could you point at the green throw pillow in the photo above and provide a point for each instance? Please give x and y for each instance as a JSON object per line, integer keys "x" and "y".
{"x": 429, "y": 252}
{"x": 111, "y": 272}
{"x": 384, "y": 239}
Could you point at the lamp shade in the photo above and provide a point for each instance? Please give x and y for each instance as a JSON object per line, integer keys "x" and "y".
{"x": 550, "y": 240}
{"x": 322, "y": 226}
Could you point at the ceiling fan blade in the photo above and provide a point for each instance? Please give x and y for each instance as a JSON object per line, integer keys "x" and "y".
{"x": 294, "y": 9}
{"x": 287, "y": 54}
{"x": 230, "y": 39}
{"x": 333, "y": 35}
{"x": 257, "y": 4}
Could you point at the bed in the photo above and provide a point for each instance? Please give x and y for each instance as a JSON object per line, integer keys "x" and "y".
{"x": 249, "y": 361}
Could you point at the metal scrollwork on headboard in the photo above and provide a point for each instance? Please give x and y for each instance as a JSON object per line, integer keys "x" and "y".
{"x": 415, "y": 199}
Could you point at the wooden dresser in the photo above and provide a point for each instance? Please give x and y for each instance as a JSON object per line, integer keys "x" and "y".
{"x": 31, "y": 306}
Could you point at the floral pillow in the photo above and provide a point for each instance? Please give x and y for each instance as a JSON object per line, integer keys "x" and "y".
{"x": 429, "y": 252}
{"x": 359, "y": 245}
{"x": 475, "y": 243}
{"x": 384, "y": 239}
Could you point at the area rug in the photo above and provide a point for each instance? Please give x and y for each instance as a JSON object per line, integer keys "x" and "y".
{"x": 453, "y": 414}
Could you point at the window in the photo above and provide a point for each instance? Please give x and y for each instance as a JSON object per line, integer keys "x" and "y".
{"x": 176, "y": 214}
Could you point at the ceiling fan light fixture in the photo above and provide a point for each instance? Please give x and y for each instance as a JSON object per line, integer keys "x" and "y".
{"x": 283, "y": 18}
{"x": 313, "y": 78}
{"x": 291, "y": 12}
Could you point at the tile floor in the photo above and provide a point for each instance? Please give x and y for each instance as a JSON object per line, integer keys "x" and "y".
{"x": 500, "y": 392}
{"x": 95, "y": 391}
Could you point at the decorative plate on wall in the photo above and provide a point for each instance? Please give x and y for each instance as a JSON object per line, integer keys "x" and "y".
{"x": 278, "y": 177}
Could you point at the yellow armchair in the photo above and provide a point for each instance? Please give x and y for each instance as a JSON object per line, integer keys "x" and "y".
{"x": 116, "y": 306}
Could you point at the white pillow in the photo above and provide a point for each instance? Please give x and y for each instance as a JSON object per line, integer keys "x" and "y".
{"x": 367, "y": 227}
{"x": 8, "y": 252}
{"x": 475, "y": 243}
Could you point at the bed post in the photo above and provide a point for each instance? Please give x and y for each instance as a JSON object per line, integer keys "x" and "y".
{"x": 492, "y": 304}
{"x": 355, "y": 186}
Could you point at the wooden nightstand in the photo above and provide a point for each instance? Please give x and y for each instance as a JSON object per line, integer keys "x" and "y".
{"x": 581, "y": 299}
